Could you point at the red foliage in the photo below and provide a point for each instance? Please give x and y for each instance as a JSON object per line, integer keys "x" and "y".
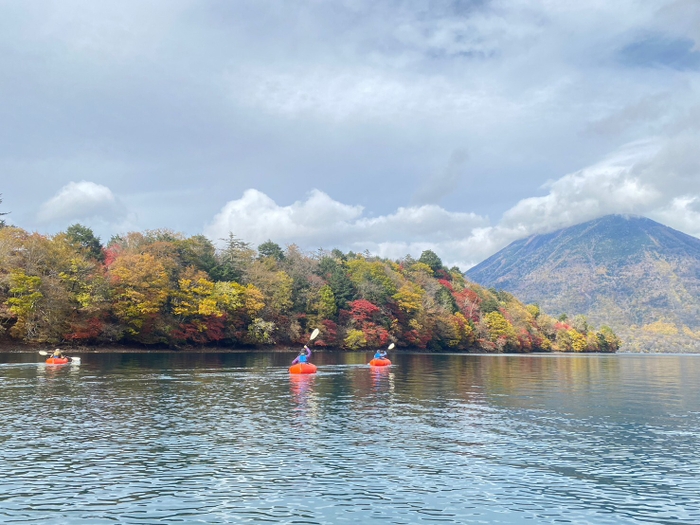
{"x": 443, "y": 275}
{"x": 412, "y": 338}
{"x": 536, "y": 341}
{"x": 562, "y": 326}
{"x": 487, "y": 345}
{"x": 329, "y": 334}
{"x": 216, "y": 328}
{"x": 363, "y": 311}
{"x": 468, "y": 303}
{"x": 111, "y": 254}
{"x": 447, "y": 284}
{"x": 525, "y": 340}
{"x": 202, "y": 332}
{"x": 505, "y": 313}
{"x": 87, "y": 330}
{"x": 375, "y": 335}
{"x": 418, "y": 339}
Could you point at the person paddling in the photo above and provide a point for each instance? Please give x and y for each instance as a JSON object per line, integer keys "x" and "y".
{"x": 381, "y": 354}
{"x": 57, "y": 354}
{"x": 303, "y": 356}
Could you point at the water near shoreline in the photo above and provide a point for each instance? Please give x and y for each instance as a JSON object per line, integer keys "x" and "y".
{"x": 232, "y": 438}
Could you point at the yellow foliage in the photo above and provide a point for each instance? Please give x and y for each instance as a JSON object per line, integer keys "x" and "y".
{"x": 661, "y": 328}
{"x": 410, "y": 297}
{"x": 254, "y": 300}
{"x": 534, "y": 310}
{"x": 570, "y": 340}
{"x": 361, "y": 270}
{"x": 687, "y": 331}
{"x": 195, "y": 295}
{"x": 141, "y": 288}
{"x": 355, "y": 340}
{"x": 229, "y": 295}
{"x": 421, "y": 267}
{"x": 592, "y": 343}
{"x": 25, "y": 296}
{"x": 498, "y": 326}
{"x": 466, "y": 331}
{"x": 578, "y": 341}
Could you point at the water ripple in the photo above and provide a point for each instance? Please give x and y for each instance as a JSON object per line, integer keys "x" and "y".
{"x": 447, "y": 439}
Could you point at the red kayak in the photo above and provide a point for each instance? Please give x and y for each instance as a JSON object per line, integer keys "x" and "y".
{"x": 382, "y": 361}
{"x": 57, "y": 360}
{"x": 302, "y": 368}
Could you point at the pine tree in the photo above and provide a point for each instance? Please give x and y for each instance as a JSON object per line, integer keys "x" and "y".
{"x": 2, "y": 222}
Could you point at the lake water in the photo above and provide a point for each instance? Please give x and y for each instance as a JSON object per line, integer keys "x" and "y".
{"x": 232, "y": 438}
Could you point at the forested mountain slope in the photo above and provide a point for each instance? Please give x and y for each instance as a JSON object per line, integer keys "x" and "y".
{"x": 640, "y": 277}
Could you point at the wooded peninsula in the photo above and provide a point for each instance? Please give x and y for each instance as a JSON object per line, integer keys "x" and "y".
{"x": 160, "y": 289}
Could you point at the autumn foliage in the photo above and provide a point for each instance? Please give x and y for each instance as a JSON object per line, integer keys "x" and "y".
{"x": 163, "y": 288}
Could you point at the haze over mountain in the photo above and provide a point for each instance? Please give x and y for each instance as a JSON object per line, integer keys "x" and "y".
{"x": 638, "y": 276}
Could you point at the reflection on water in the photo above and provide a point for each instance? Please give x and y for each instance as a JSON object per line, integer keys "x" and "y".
{"x": 228, "y": 438}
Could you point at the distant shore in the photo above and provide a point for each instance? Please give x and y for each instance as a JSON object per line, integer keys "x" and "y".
{"x": 15, "y": 348}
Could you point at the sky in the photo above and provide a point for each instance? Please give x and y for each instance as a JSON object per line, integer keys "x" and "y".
{"x": 367, "y": 125}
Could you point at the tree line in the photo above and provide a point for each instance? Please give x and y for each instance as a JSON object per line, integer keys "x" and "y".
{"x": 163, "y": 288}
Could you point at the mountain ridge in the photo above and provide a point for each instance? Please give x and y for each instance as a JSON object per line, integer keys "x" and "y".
{"x": 636, "y": 275}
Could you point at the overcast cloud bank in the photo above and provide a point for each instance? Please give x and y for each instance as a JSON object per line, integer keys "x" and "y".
{"x": 362, "y": 124}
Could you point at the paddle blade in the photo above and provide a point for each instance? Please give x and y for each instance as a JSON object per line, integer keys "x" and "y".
{"x": 314, "y": 334}
{"x": 391, "y": 346}
{"x": 41, "y": 352}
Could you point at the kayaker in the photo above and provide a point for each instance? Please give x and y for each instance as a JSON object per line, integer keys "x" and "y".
{"x": 303, "y": 356}
{"x": 57, "y": 354}
{"x": 381, "y": 354}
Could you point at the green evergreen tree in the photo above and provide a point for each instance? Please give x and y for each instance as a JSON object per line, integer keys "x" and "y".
{"x": 84, "y": 238}
{"x": 232, "y": 260}
{"x": 430, "y": 258}
{"x": 270, "y": 249}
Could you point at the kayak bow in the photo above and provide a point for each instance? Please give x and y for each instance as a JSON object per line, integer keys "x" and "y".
{"x": 302, "y": 368}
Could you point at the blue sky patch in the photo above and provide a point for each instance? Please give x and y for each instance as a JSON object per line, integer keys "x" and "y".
{"x": 660, "y": 51}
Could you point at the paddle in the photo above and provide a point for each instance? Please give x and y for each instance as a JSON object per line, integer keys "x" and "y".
{"x": 390, "y": 347}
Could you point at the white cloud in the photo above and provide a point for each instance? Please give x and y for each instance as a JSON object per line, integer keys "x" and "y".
{"x": 682, "y": 213}
{"x": 321, "y": 221}
{"x": 607, "y": 187}
{"x": 255, "y": 217}
{"x": 80, "y": 201}
{"x": 359, "y": 93}
{"x": 635, "y": 180}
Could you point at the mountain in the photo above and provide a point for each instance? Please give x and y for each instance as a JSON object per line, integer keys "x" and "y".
{"x": 637, "y": 276}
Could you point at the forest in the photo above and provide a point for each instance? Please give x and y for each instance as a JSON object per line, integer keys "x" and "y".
{"x": 162, "y": 289}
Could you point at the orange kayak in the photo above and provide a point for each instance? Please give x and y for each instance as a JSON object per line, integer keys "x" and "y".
{"x": 57, "y": 361}
{"x": 380, "y": 362}
{"x": 302, "y": 368}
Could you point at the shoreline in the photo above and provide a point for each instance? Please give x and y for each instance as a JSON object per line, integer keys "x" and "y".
{"x": 121, "y": 349}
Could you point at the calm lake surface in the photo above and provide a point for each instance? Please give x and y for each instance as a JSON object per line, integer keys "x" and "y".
{"x": 232, "y": 438}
